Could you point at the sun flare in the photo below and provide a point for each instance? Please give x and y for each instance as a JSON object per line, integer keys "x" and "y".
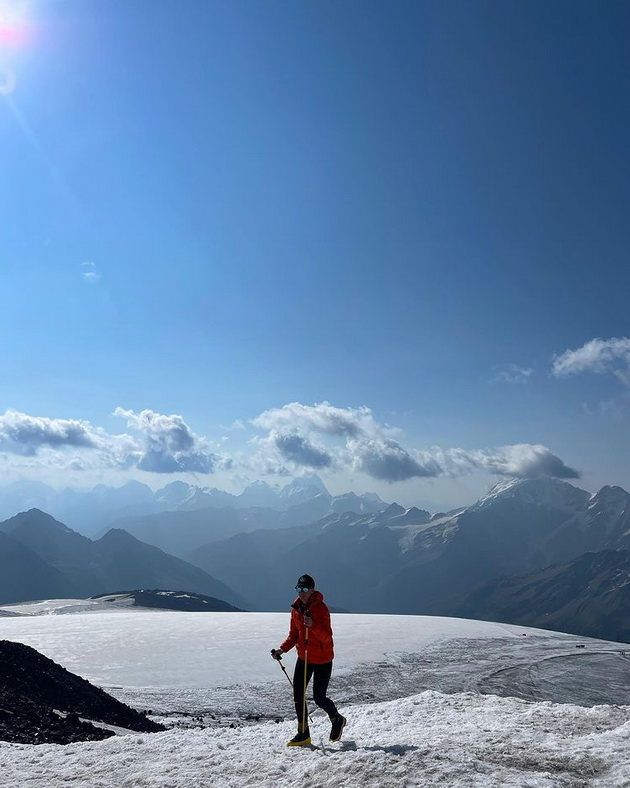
{"x": 14, "y": 19}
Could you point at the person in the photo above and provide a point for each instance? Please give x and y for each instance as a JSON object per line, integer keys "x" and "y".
{"x": 311, "y": 633}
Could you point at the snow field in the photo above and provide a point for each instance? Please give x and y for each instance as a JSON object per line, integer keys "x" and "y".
{"x": 425, "y": 740}
{"x": 139, "y": 648}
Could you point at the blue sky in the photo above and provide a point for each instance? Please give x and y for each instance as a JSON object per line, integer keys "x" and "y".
{"x": 212, "y": 210}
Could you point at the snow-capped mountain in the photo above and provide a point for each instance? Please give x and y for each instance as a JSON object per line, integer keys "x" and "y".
{"x": 405, "y": 561}
{"x": 181, "y": 532}
{"x": 301, "y": 489}
{"x": 90, "y": 512}
{"x": 180, "y": 496}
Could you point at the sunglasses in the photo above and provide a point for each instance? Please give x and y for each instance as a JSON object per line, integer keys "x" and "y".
{"x": 302, "y": 589}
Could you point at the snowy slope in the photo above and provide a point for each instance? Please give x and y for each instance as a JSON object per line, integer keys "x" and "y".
{"x": 138, "y": 648}
{"x": 425, "y": 740}
{"x": 401, "y": 731}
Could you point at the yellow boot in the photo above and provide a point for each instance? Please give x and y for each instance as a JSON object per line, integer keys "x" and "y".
{"x": 300, "y": 739}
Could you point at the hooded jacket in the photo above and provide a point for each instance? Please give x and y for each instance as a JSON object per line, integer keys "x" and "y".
{"x": 320, "y": 636}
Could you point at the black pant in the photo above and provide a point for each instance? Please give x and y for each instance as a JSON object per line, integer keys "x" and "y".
{"x": 322, "y": 675}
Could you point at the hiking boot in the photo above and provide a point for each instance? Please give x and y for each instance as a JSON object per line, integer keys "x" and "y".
{"x": 300, "y": 740}
{"x": 338, "y": 724}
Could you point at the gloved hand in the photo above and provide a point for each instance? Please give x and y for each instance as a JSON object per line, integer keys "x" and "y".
{"x": 308, "y": 620}
{"x": 276, "y": 653}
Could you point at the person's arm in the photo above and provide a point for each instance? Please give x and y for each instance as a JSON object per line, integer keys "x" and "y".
{"x": 292, "y": 637}
{"x": 321, "y": 627}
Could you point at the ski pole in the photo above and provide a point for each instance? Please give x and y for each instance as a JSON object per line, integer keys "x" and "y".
{"x": 305, "y": 682}
{"x": 279, "y": 661}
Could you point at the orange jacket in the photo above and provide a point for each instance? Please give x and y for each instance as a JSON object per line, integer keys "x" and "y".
{"x": 320, "y": 636}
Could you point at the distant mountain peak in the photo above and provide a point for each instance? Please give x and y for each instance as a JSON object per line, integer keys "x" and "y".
{"x": 309, "y": 483}
{"x": 34, "y": 518}
{"x": 393, "y": 510}
{"x": 611, "y": 491}
{"x": 259, "y": 484}
{"x": 543, "y": 491}
{"x": 118, "y": 536}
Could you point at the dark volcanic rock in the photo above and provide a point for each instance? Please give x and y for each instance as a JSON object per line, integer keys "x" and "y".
{"x": 41, "y": 702}
{"x": 186, "y": 601}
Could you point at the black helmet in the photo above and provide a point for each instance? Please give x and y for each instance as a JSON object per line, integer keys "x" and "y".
{"x": 305, "y": 581}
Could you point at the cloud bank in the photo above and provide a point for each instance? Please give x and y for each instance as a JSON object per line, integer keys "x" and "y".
{"x": 370, "y": 448}
{"x": 298, "y": 438}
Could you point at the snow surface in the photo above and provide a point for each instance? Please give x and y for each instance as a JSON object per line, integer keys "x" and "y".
{"x": 424, "y": 740}
{"x": 400, "y": 732}
{"x": 141, "y": 648}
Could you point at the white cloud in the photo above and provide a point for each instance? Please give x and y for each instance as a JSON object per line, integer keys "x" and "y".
{"x": 514, "y": 374}
{"x": 524, "y": 460}
{"x": 170, "y": 446}
{"x": 599, "y": 356}
{"x": 27, "y": 435}
{"x": 320, "y": 437}
{"x": 167, "y": 444}
{"x": 387, "y": 460}
{"x": 323, "y": 418}
{"x": 301, "y": 451}
{"x": 89, "y": 273}
{"x": 369, "y": 447}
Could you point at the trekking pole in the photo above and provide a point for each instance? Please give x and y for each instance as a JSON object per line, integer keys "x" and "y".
{"x": 305, "y": 682}
{"x": 279, "y": 661}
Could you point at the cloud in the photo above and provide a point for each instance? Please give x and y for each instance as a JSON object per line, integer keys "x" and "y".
{"x": 599, "y": 356}
{"x": 300, "y": 451}
{"x": 89, "y": 273}
{"x": 166, "y": 445}
{"x": 27, "y": 435}
{"x": 523, "y": 460}
{"x": 369, "y": 447}
{"x": 323, "y": 418}
{"x": 514, "y": 374}
{"x": 322, "y": 438}
{"x": 387, "y": 460}
{"x": 170, "y": 446}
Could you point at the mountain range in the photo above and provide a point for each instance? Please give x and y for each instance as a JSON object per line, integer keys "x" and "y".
{"x": 42, "y": 558}
{"x": 589, "y": 595}
{"x": 540, "y": 552}
{"x": 403, "y": 561}
{"x": 90, "y": 512}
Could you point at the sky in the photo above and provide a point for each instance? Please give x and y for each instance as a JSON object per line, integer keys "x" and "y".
{"x": 383, "y": 242}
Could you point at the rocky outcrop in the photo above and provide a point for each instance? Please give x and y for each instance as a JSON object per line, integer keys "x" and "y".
{"x": 41, "y": 702}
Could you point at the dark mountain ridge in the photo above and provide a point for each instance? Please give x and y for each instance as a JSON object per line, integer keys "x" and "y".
{"x": 43, "y": 558}
{"x": 589, "y": 595}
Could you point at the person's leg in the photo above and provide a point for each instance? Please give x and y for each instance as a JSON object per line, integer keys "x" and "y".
{"x": 298, "y": 692}
{"x": 321, "y": 679}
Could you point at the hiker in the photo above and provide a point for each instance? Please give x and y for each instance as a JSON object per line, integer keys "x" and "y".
{"x": 310, "y": 631}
